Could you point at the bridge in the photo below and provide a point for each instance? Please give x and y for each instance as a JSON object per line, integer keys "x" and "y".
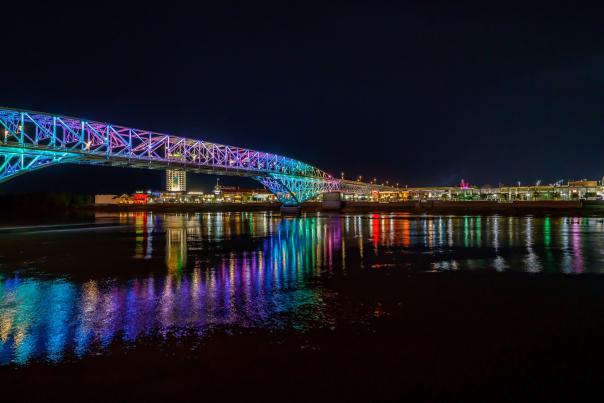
{"x": 34, "y": 140}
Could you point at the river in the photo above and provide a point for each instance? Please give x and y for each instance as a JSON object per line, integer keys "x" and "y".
{"x": 72, "y": 290}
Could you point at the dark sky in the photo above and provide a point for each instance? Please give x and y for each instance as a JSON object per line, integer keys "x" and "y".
{"x": 421, "y": 93}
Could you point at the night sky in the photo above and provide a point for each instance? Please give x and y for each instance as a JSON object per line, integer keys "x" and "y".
{"x": 423, "y": 94}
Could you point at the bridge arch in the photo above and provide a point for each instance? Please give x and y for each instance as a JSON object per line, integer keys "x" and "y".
{"x": 34, "y": 140}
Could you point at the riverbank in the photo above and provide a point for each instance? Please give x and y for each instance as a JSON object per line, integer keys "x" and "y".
{"x": 429, "y": 206}
{"x": 394, "y": 336}
{"x": 41, "y": 206}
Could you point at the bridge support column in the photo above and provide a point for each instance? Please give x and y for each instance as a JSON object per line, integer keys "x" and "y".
{"x": 332, "y": 201}
{"x": 291, "y": 210}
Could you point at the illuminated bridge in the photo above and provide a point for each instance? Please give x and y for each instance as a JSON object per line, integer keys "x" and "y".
{"x": 34, "y": 140}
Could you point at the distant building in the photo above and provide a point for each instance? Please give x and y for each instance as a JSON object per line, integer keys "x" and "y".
{"x": 140, "y": 198}
{"x": 106, "y": 199}
{"x": 583, "y": 184}
{"x": 241, "y": 195}
{"x": 235, "y": 194}
{"x": 176, "y": 180}
{"x": 572, "y": 190}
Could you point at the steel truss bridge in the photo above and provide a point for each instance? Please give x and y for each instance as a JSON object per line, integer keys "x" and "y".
{"x": 34, "y": 140}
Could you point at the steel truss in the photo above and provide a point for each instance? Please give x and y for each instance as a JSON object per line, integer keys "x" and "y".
{"x": 294, "y": 190}
{"x": 15, "y": 162}
{"x": 33, "y": 140}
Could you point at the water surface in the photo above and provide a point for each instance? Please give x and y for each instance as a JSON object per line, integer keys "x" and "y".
{"x": 71, "y": 290}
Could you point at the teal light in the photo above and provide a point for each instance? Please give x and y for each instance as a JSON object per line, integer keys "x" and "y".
{"x": 16, "y": 161}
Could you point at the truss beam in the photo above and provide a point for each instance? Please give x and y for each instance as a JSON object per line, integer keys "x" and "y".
{"x": 14, "y": 162}
{"x": 33, "y": 140}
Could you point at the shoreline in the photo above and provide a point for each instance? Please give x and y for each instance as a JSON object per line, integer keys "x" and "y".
{"x": 546, "y": 207}
{"x": 537, "y": 208}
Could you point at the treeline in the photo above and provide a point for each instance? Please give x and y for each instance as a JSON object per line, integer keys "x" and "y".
{"x": 41, "y": 203}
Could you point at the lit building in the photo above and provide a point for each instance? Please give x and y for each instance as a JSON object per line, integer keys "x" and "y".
{"x": 585, "y": 190}
{"x": 232, "y": 194}
{"x": 106, "y": 199}
{"x": 140, "y": 198}
{"x": 176, "y": 180}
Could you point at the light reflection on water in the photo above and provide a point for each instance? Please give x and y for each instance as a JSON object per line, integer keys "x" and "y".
{"x": 74, "y": 290}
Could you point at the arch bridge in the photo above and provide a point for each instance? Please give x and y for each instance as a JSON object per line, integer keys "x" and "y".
{"x": 34, "y": 140}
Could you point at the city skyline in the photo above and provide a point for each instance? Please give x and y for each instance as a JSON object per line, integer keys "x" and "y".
{"x": 422, "y": 94}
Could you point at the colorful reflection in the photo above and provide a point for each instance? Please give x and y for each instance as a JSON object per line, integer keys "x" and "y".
{"x": 197, "y": 271}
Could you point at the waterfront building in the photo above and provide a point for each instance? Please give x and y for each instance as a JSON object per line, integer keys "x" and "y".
{"x": 572, "y": 190}
{"x": 176, "y": 180}
{"x": 106, "y": 199}
{"x": 140, "y": 198}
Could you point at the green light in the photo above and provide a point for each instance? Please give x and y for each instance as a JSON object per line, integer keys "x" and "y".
{"x": 547, "y": 239}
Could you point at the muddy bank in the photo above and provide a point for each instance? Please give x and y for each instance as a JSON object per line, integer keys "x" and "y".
{"x": 44, "y": 207}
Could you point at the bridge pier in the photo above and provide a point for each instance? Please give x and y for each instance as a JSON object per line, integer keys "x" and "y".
{"x": 332, "y": 201}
